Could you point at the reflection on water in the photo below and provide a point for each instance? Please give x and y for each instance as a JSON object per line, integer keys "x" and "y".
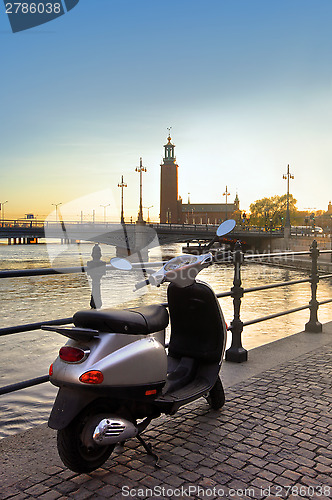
{"x": 25, "y": 300}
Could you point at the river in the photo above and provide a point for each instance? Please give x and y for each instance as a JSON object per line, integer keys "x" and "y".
{"x": 24, "y": 300}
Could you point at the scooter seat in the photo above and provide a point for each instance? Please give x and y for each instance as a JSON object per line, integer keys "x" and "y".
{"x": 135, "y": 321}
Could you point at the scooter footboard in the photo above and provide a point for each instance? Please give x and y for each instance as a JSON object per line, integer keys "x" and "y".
{"x": 68, "y": 403}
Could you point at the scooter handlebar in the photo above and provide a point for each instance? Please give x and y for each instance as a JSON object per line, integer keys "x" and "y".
{"x": 140, "y": 284}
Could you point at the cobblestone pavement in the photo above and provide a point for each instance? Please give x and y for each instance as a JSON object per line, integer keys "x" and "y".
{"x": 272, "y": 439}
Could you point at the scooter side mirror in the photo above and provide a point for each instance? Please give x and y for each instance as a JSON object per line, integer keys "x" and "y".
{"x": 226, "y": 227}
{"x": 122, "y": 264}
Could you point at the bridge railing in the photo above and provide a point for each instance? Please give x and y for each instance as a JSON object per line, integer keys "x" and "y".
{"x": 39, "y": 223}
{"x": 212, "y": 228}
{"x": 236, "y": 352}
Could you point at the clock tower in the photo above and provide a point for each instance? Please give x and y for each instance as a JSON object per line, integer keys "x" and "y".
{"x": 169, "y": 206}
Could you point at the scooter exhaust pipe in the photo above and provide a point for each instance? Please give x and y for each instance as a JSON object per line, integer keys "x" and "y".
{"x": 113, "y": 430}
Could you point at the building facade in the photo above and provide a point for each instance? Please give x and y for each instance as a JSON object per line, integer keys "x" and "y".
{"x": 172, "y": 210}
{"x": 207, "y": 213}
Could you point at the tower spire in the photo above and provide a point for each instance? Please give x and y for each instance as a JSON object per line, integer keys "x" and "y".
{"x": 169, "y": 149}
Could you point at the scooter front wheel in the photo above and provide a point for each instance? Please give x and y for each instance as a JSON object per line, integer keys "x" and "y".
{"x": 74, "y": 453}
{"x": 216, "y": 396}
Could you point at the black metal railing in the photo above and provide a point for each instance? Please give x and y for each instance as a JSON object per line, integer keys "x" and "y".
{"x": 236, "y": 353}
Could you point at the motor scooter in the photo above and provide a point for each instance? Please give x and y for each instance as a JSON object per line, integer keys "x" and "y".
{"x": 115, "y": 373}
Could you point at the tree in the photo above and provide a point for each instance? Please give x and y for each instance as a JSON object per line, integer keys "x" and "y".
{"x": 271, "y": 212}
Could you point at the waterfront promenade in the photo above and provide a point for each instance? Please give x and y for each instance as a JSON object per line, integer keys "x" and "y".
{"x": 272, "y": 439}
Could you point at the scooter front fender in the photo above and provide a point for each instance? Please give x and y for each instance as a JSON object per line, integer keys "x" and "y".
{"x": 68, "y": 403}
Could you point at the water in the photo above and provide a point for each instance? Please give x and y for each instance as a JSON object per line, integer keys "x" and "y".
{"x": 25, "y": 300}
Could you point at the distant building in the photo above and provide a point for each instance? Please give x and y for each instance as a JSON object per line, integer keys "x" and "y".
{"x": 208, "y": 213}
{"x": 329, "y": 208}
{"x": 172, "y": 210}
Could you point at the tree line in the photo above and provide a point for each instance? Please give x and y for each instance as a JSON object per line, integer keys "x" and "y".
{"x": 271, "y": 214}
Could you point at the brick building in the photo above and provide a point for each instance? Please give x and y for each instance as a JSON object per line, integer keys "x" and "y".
{"x": 172, "y": 210}
{"x": 208, "y": 213}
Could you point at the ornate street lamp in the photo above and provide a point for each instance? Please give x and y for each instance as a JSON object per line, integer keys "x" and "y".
{"x": 104, "y": 207}
{"x": 140, "y": 169}
{"x": 287, "y": 221}
{"x": 226, "y": 193}
{"x": 122, "y": 185}
{"x": 148, "y": 209}
{"x": 56, "y": 205}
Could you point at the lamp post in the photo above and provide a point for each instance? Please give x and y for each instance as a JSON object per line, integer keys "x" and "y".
{"x": 56, "y": 205}
{"x": 3, "y": 210}
{"x": 140, "y": 169}
{"x": 287, "y": 221}
{"x": 122, "y": 185}
{"x": 188, "y": 208}
{"x": 104, "y": 207}
{"x": 226, "y": 193}
{"x": 148, "y": 209}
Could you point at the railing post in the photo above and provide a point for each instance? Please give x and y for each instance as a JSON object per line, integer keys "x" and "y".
{"x": 96, "y": 269}
{"x": 236, "y": 352}
{"x": 313, "y": 324}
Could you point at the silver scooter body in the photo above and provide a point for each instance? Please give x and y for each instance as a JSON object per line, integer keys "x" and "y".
{"x": 114, "y": 373}
{"x": 119, "y": 357}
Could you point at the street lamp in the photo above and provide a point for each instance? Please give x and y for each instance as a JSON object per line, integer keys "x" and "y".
{"x": 104, "y": 207}
{"x": 140, "y": 169}
{"x": 188, "y": 208}
{"x": 56, "y": 205}
{"x": 122, "y": 185}
{"x": 226, "y": 193}
{"x": 3, "y": 210}
{"x": 148, "y": 209}
{"x": 287, "y": 221}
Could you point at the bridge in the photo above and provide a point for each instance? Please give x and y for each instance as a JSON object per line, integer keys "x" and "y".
{"x": 130, "y": 235}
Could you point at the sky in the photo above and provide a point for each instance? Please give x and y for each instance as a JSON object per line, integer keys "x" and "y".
{"x": 245, "y": 85}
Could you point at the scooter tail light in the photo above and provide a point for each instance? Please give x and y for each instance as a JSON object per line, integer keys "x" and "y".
{"x": 72, "y": 354}
{"x": 92, "y": 377}
{"x": 151, "y": 392}
{"x": 50, "y": 371}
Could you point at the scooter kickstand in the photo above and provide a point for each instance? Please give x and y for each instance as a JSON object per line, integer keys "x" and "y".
{"x": 148, "y": 449}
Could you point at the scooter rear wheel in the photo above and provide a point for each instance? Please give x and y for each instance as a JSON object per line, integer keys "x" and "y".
{"x": 216, "y": 396}
{"x": 74, "y": 453}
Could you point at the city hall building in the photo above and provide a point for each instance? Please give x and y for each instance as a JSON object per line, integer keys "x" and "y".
{"x": 172, "y": 210}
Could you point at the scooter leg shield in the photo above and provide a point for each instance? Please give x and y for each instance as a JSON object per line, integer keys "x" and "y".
{"x": 68, "y": 403}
